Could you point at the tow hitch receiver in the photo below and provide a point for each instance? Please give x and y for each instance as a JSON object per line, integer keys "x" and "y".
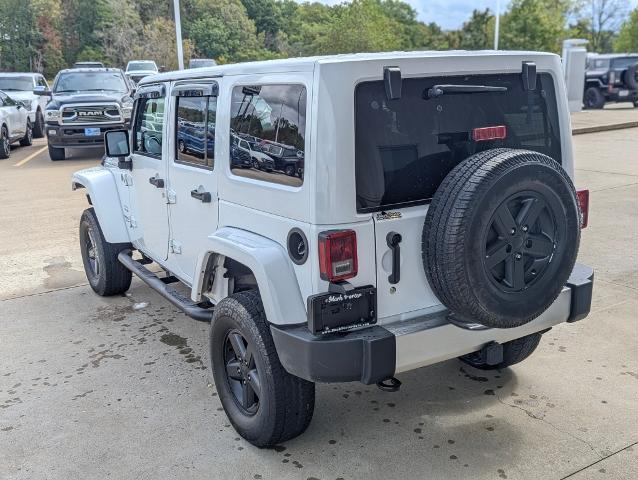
{"x": 491, "y": 354}
{"x": 391, "y": 384}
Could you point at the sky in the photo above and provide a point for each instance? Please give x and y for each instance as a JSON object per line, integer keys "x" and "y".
{"x": 450, "y": 14}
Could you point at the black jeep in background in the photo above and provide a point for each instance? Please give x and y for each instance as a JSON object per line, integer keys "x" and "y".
{"x": 611, "y": 78}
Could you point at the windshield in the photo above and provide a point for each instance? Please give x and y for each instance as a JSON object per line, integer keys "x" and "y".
{"x": 624, "y": 62}
{"x": 404, "y": 148}
{"x": 146, "y": 66}
{"x": 14, "y": 84}
{"x": 90, "y": 81}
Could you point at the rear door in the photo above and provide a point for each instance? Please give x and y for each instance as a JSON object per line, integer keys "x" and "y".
{"x": 405, "y": 148}
{"x": 149, "y": 200}
{"x": 193, "y": 204}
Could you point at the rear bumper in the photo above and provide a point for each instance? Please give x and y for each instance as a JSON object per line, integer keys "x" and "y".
{"x": 622, "y": 95}
{"x": 376, "y": 353}
{"x": 65, "y": 136}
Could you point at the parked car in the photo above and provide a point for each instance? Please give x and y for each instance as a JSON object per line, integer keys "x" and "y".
{"x": 201, "y": 63}
{"x": 21, "y": 87}
{"x": 88, "y": 65}
{"x": 15, "y": 124}
{"x": 258, "y": 159}
{"x": 437, "y": 219}
{"x": 611, "y": 78}
{"x": 190, "y": 139}
{"x": 287, "y": 158}
{"x": 138, "y": 69}
{"x": 85, "y": 103}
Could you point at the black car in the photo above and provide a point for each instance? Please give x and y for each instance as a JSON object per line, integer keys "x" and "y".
{"x": 288, "y": 159}
{"x": 86, "y": 103}
{"x": 611, "y": 78}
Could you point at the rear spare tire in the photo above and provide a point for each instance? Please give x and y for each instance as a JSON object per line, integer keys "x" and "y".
{"x": 501, "y": 237}
{"x": 631, "y": 77}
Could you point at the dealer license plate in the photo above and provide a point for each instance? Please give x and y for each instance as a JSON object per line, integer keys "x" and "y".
{"x": 92, "y": 132}
{"x": 335, "y": 312}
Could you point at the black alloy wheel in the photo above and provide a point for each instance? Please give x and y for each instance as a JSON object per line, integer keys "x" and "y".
{"x": 241, "y": 372}
{"x": 92, "y": 253}
{"x": 520, "y": 242}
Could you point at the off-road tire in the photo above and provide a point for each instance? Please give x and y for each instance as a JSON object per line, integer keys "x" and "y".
{"x": 286, "y": 403}
{"x": 38, "y": 128}
{"x": 631, "y": 77}
{"x": 5, "y": 143}
{"x": 593, "y": 99}
{"x": 110, "y": 277}
{"x": 459, "y": 228}
{"x": 290, "y": 170}
{"x": 514, "y": 352}
{"x": 27, "y": 140}
{"x": 56, "y": 154}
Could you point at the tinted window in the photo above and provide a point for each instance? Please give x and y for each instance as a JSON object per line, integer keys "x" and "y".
{"x": 148, "y": 128}
{"x": 624, "y": 62}
{"x": 196, "y": 130}
{"x": 150, "y": 66}
{"x": 404, "y": 148}
{"x": 268, "y": 129}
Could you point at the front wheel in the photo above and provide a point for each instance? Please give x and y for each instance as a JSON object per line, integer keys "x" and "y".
{"x": 265, "y": 404}
{"x": 56, "y": 154}
{"x": 514, "y": 352}
{"x": 5, "y": 143}
{"x": 106, "y": 275}
{"x": 290, "y": 170}
{"x": 27, "y": 140}
{"x": 38, "y": 128}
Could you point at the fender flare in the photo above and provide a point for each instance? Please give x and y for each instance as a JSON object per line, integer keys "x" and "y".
{"x": 269, "y": 262}
{"x": 105, "y": 199}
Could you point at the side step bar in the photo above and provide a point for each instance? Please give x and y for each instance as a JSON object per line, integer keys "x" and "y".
{"x": 185, "y": 304}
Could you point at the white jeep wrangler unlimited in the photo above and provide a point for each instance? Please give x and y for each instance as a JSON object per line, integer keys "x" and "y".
{"x": 430, "y": 215}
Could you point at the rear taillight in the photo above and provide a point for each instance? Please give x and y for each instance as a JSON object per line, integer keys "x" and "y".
{"x": 337, "y": 255}
{"x": 489, "y": 133}
{"x": 583, "y": 204}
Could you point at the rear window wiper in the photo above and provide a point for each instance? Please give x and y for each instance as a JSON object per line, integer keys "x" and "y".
{"x": 438, "y": 90}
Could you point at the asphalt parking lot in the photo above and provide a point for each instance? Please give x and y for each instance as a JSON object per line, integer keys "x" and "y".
{"x": 94, "y": 388}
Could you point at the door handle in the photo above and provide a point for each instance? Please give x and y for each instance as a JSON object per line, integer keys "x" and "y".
{"x": 393, "y": 239}
{"x": 203, "y": 197}
{"x": 157, "y": 182}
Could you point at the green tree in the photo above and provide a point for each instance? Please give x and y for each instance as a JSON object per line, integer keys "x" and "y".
{"x": 222, "y": 30}
{"x": 118, "y": 32}
{"x": 627, "y": 40}
{"x": 18, "y": 35}
{"x": 476, "y": 33}
{"x": 534, "y": 25}
{"x": 157, "y": 42}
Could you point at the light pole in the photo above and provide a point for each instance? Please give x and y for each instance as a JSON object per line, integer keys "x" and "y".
{"x": 498, "y": 21}
{"x": 178, "y": 34}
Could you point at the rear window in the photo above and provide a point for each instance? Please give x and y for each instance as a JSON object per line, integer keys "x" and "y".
{"x": 404, "y": 148}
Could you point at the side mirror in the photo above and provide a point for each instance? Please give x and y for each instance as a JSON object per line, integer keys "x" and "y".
{"x": 42, "y": 91}
{"x": 116, "y": 144}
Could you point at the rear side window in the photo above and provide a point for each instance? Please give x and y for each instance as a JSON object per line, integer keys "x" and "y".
{"x": 195, "y": 130}
{"x": 268, "y": 130}
{"x": 404, "y": 148}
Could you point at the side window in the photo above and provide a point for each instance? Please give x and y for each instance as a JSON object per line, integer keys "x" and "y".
{"x": 148, "y": 128}
{"x": 42, "y": 82}
{"x": 195, "y": 130}
{"x": 7, "y": 101}
{"x": 268, "y": 130}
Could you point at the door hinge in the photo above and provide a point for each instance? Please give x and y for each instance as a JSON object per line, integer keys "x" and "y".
{"x": 171, "y": 196}
{"x": 176, "y": 247}
{"x": 127, "y": 179}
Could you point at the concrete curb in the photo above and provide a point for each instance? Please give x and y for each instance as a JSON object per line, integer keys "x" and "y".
{"x": 604, "y": 128}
